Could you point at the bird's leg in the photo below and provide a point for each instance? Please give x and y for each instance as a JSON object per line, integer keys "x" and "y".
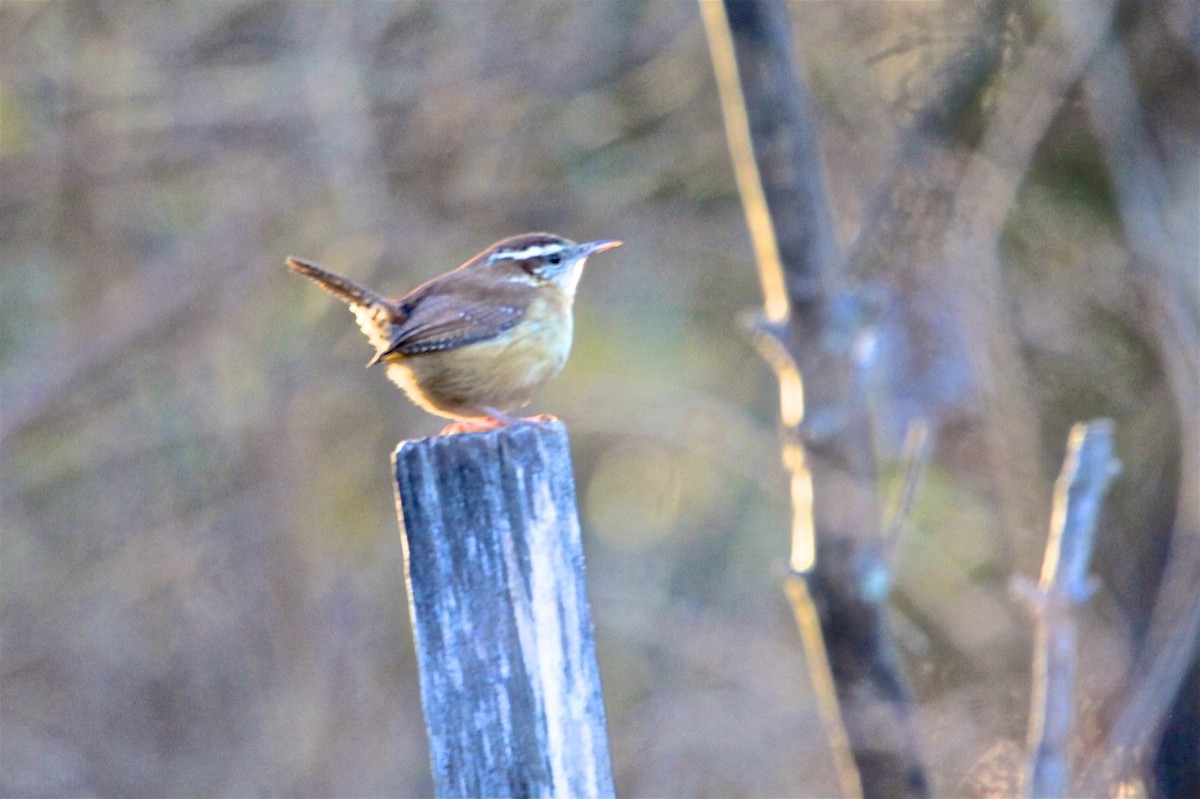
{"x": 478, "y": 425}
{"x": 494, "y": 418}
{"x": 501, "y": 418}
{"x": 505, "y": 419}
{"x": 491, "y": 419}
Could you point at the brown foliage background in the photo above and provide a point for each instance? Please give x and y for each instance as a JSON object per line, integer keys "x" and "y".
{"x": 202, "y": 580}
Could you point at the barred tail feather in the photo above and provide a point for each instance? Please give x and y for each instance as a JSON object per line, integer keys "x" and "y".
{"x": 343, "y": 288}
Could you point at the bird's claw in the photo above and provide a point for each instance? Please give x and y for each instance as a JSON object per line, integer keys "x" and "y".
{"x": 471, "y": 426}
{"x": 485, "y": 423}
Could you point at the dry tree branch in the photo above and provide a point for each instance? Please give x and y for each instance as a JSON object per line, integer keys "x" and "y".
{"x": 918, "y": 445}
{"x": 987, "y": 190}
{"x": 972, "y": 57}
{"x": 1089, "y": 468}
{"x": 940, "y": 215}
{"x": 839, "y": 579}
{"x": 1165, "y": 269}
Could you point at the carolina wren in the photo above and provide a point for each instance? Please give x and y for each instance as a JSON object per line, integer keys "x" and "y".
{"x": 477, "y": 342}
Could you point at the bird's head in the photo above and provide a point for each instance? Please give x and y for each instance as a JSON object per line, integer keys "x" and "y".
{"x": 544, "y": 257}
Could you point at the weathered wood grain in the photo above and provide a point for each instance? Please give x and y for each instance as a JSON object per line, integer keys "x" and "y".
{"x": 494, "y": 564}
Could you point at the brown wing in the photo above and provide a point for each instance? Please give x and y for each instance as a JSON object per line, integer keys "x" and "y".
{"x": 434, "y": 320}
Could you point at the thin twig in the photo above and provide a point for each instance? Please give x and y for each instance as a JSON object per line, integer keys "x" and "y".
{"x": 1089, "y": 468}
{"x": 918, "y": 444}
{"x": 1022, "y": 113}
{"x": 811, "y": 324}
{"x": 808, "y": 621}
{"x": 1152, "y": 220}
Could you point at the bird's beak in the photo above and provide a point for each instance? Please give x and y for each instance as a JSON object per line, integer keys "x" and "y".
{"x": 593, "y": 247}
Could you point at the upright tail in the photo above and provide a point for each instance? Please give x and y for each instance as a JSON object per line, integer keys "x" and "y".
{"x": 343, "y": 288}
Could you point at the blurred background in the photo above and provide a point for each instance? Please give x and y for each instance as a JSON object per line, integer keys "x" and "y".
{"x": 202, "y": 583}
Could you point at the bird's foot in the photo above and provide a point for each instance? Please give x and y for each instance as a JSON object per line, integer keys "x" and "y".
{"x": 541, "y": 418}
{"x": 504, "y": 419}
{"x": 494, "y": 419}
{"x": 479, "y": 425}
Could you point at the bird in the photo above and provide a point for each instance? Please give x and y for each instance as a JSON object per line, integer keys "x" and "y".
{"x": 476, "y": 343}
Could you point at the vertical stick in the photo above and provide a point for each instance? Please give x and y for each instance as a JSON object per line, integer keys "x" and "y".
{"x": 837, "y": 576}
{"x": 1088, "y": 469}
{"x": 494, "y": 563}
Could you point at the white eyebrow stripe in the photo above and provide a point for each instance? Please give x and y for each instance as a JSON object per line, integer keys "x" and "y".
{"x": 535, "y": 251}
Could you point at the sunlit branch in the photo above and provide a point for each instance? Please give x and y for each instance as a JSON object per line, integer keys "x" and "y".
{"x": 741, "y": 151}
{"x": 1089, "y": 468}
{"x": 807, "y": 336}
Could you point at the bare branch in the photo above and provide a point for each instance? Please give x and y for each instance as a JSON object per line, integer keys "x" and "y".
{"x": 918, "y": 444}
{"x": 1022, "y": 113}
{"x": 1159, "y": 228}
{"x": 838, "y": 575}
{"x": 1089, "y": 468}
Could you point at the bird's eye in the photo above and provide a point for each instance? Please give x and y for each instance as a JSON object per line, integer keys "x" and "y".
{"x": 554, "y": 257}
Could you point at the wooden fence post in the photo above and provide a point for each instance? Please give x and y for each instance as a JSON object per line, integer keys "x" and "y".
{"x": 494, "y": 565}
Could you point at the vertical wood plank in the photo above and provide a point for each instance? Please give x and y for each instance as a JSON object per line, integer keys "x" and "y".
{"x": 494, "y": 564}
